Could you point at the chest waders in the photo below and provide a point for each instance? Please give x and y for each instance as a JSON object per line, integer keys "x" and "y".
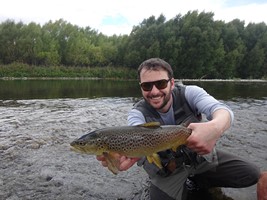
{"x": 183, "y": 114}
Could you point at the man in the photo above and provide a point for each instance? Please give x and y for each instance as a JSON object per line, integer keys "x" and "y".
{"x": 170, "y": 103}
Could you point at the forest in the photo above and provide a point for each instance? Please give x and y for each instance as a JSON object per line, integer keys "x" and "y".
{"x": 196, "y": 46}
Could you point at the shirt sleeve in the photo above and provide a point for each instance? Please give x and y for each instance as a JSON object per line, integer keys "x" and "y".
{"x": 135, "y": 117}
{"x": 199, "y": 100}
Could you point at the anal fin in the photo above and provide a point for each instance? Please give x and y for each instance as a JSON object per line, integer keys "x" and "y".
{"x": 154, "y": 158}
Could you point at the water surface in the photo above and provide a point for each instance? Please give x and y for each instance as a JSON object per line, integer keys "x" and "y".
{"x": 39, "y": 118}
{"x": 52, "y": 89}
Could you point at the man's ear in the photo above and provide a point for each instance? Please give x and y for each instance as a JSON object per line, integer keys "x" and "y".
{"x": 172, "y": 83}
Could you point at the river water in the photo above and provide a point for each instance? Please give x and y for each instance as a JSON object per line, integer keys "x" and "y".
{"x": 36, "y": 163}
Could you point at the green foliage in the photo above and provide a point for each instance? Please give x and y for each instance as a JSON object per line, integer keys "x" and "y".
{"x": 19, "y": 70}
{"x": 195, "y": 45}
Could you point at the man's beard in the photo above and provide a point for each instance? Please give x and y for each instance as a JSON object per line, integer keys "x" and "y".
{"x": 166, "y": 99}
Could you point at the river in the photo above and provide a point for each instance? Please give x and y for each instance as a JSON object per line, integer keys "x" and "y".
{"x": 35, "y": 132}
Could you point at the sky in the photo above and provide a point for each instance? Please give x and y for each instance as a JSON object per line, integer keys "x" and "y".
{"x": 119, "y": 16}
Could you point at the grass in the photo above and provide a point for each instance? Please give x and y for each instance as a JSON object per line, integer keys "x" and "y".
{"x": 18, "y": 70}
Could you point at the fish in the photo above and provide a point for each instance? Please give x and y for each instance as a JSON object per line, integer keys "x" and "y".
{"x": 132, "y": 141}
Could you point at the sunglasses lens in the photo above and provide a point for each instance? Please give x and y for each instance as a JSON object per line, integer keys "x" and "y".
{"x": 161, "y": 84}
{"x": 147, "y": 86}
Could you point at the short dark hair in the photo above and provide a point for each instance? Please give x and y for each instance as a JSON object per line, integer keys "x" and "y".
{"x": 155, "y": 64}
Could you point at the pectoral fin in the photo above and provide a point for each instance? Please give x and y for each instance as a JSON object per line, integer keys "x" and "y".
{"x": 112, "y": 162}
{"x": 154, "y": 158}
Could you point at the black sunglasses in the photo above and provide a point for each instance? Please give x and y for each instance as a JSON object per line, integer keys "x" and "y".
{"x": 160, "y": 84}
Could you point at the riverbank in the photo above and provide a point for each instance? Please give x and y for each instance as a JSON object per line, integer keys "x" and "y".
{"x": 24, "y": 71}
{"x": 98, "y": 78}
{"x": 36, "y": 162}
{"x": 19, "y": 71}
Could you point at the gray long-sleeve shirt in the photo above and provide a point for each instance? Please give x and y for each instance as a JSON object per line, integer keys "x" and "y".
{"x": 198, "y": 99}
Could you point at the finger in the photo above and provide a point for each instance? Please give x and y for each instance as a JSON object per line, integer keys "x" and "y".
{"x": 100, "y": 158}
{"x": 104, "y": 163}
{"x": 123, "y": 158}
{"x": 127, "y": 163}
{"x": 191, "y": 126}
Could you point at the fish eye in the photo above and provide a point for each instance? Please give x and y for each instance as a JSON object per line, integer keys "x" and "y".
{"x": 81, "y": 143}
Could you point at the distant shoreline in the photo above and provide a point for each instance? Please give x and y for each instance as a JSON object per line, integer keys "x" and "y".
{"x": 223, "y": 80}
{"x": 97, "y": 78}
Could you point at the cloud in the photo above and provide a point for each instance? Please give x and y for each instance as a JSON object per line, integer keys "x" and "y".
{"x": 250, "y": 13}
{"x": 119, "y": 16}
{"x": 236, "y": 3}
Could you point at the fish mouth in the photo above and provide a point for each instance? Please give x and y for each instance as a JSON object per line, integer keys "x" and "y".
{"x": 78, "y": 150}
{"x": 73, "y": 149}
{"x": 81, "y": 150}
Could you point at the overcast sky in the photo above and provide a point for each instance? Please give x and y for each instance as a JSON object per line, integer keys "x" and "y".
{"x": 119, "y": 16}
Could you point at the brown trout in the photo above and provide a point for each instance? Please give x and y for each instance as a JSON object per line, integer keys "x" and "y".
{"x": 132, "y": 141}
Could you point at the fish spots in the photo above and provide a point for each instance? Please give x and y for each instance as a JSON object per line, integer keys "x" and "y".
{"x": 134, "y": 141}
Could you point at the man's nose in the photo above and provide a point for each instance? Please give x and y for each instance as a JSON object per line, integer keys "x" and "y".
{"x": 154, "y": 89}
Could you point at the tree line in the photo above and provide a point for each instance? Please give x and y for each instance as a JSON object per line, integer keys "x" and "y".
{"x": 196, "y": 46}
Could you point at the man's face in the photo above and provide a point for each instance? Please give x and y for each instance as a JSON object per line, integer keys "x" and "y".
{"x": 160, "y": 99}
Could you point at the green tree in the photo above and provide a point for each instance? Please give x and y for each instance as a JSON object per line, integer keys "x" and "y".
{"x": 29, "y": 43}
{"x": 9, "y": 36}
{"x": 195, "y": 45}
{"x": 234, "y": 48}
{"x": 254, "y": 63}
{"x": 50, "y": 50}
{"x": 201, "y": 46}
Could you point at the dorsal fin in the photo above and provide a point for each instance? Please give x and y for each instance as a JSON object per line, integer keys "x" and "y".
{"x": 150, "y": 125}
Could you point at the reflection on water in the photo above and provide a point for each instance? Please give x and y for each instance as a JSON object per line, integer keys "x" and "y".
{"x": 52, "y": 89}
{"x": 234, "y": 90}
